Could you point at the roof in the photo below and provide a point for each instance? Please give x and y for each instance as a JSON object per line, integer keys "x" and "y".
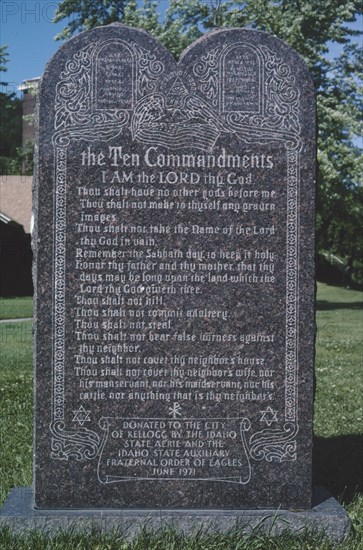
{"x": 29, "y": 83}
{"x": 16, "y": 199}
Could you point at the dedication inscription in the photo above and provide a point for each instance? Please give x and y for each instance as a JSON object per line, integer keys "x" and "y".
{"x": 174, "y": 274}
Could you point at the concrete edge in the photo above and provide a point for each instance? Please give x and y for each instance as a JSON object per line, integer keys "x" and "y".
{"x": 327, "y": 517}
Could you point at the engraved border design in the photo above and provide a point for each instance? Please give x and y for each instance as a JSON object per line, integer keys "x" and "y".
{"x": 280, "y": 444}
{"x": 59, "y": 282}
{"x": 291, "y": 396}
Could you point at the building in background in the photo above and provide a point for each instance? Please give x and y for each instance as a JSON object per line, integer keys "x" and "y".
{"x": 29, "y": 96}
{"x": 16, "y": 210}
{"x": 15, "y": 236}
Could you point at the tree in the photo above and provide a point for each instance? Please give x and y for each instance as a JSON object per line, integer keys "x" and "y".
{"x": 309, "y": 26}
{"x": 340, "y": 195}
{"x": 10, "y": 123}
{"x": 89, "y": 14}
{"x": 3, "y": 60}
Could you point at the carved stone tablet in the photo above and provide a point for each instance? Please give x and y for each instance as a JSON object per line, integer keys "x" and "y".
{"x": 174, "y": 274}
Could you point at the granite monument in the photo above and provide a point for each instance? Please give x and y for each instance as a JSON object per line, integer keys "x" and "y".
{"x": 174, "y": 274}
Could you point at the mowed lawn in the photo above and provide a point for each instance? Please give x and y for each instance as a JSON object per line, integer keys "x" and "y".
{"x": 16, "y": 308}
{"x": 338, "y": 432}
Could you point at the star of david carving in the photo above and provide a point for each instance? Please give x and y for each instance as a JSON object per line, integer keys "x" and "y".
{"x": 269, "y": 416}
{"x": 81, "y": 416}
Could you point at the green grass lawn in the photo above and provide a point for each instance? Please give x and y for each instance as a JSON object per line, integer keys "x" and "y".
{"x": 338, "y": 430}
{"x": 16, "y": 405}
{"x": 15, "y": 308}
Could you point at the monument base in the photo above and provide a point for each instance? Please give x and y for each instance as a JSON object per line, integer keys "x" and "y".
{"x": 326, "y": 516}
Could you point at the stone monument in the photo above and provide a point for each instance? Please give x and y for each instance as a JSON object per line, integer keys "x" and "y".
{"x": 175, "y": 282}
{"x": 175, "y": 275}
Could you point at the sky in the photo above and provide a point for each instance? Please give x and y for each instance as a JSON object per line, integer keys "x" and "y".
{"x": 26, "y": 28}
{"x": 28, "y": 31}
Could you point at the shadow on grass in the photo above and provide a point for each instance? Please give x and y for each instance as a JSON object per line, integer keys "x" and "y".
{"x": 324, "y": 305}
{"x": 338, "y": 465}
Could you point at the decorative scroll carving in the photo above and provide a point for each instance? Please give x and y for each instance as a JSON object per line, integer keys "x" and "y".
{"x": 274, "y": 445}
{"x": 207, "y": 71}
{"x": 149, "y": 70}
{"x": 80, "y": 443}
{"x": 282, "y": 95}
{"x": 278, "y": 116}
{"x": 254, "y": 129}
{"x": 278, "y": 122}
{"x": 73, "y": 91}
{"x": 191, "y": 118}
{"x": 75, "y": 113}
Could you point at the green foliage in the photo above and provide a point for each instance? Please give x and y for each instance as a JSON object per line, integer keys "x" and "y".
{"x": 10, "y": 123}
{"x": 21, "y": 163}
{"x": 338, "y": 417}
{"x": 25, "y": 156}
{"x": 89, "y": 14}
{"x": 16, "y": 403}
{"x": 15, "y": 158}
{"x": 339, "y": 352}
{"x": 15, "y": 308}
{"x": 340, "y": 196}
{"x": 168, "y": 539}
{"x": 9, "y": 166}
{"x": 3, "y": 59}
